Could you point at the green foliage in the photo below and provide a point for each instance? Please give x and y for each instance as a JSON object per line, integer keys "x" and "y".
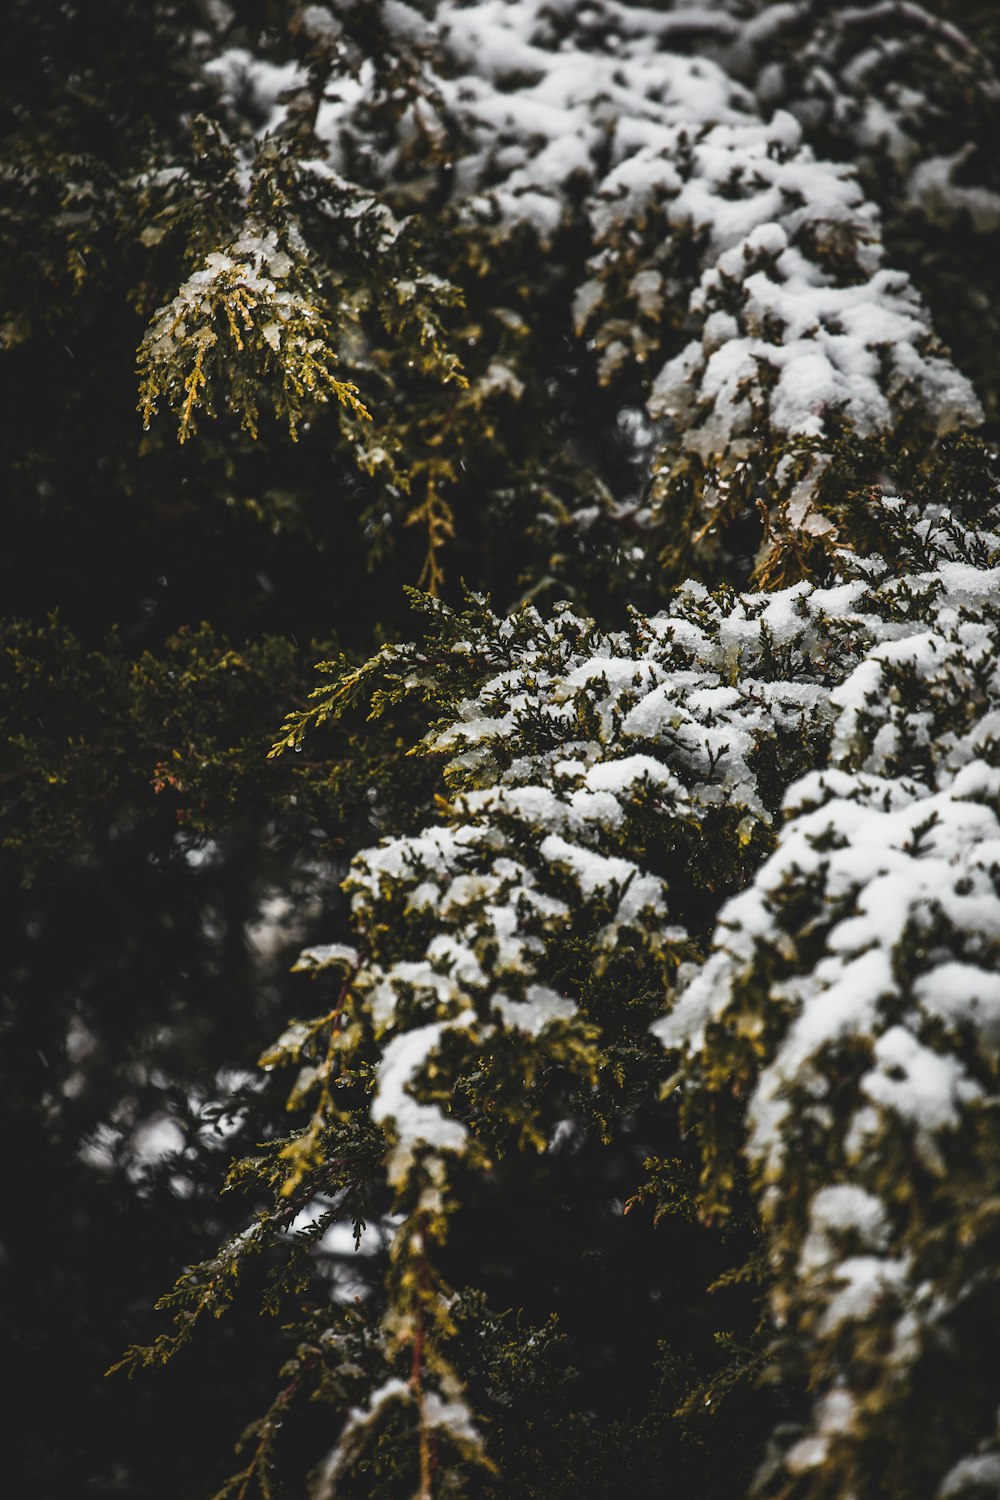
{"x": 505, "y": 973}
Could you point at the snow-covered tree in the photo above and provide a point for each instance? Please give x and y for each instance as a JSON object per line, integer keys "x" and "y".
{"x": 643, "y": 1137}
{"x": 388, "y": 187}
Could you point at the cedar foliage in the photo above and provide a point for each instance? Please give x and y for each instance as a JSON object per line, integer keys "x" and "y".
{"x": 603, "y": 396}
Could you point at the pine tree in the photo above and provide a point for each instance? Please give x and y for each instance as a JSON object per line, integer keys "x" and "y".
{"x": 644, "y": 854}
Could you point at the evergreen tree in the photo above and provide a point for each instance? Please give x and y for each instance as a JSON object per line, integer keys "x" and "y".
{"x": 640, "y": 861}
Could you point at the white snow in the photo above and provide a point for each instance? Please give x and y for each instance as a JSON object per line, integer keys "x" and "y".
{"x": 414, "y": 1124}
{"x": 540, "y": 1008}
